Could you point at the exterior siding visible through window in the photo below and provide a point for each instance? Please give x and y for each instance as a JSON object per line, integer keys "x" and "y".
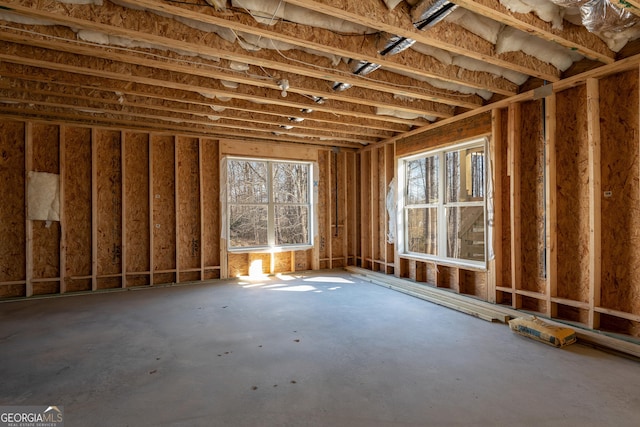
{"x": 443, "y": 204}
{"x": 268, "y": 204}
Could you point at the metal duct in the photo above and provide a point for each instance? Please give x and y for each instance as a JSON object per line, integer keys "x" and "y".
{"x": 431, "y": 12}
{"x": 397, "y": 44}
{"x": 339, "y": 87}
{"x": 363, "y": 68}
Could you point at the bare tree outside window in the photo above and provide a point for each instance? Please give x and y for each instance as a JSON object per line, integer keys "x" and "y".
{"x": 269, "y": 203}
{"x": 422, "y": 198}
{"x": 291, "y": 196}
{"x": 444, "y": 209}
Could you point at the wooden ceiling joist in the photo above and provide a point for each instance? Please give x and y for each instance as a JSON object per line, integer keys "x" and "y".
{"x": 22, "y": 111}
{"x": 632, "y": 6}
{"x": 145, "y": 110}
{"x": 572, "y": 37}
{"x": 300, "y": 85}
{"x": 172, "y": 66}
{"x": 359, "y": 47}
{"x": 159, "y": 94}
{"x": 98, "y": 67}
{"x": 169, "y": 33}
{"x": 444, "y": 35}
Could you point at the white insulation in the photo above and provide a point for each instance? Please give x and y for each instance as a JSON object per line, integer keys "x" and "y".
{"x": 613, "y": 24}
{"x": 546, "y": 10}
{"x": 268, "y": 12}
{"x": 512, "y": 40}
{"x": 486, "y": 28}
{"x": 43, "y": 202}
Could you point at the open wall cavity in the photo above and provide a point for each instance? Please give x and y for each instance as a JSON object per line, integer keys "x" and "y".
{"x": 335, "y": 192}
{"x": 133, "y": 209}
{"x": 566, "y": 181}
{"x": 377, "y": 169}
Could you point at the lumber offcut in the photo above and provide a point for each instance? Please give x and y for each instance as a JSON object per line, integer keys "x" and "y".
{"x": 589, "y": 336}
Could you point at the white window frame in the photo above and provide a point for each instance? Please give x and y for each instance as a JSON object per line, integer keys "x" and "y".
{"x": 271, "y": 208}
{"x": 441, "y": 231}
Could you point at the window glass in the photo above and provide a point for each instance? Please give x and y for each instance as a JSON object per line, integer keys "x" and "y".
{"x": 292, "y": 225}
{"x": 248, "y": 225}
{"x": 465, "y": 233}
{"x": 290, "y": 182}
{"x": 464, "y": 177}
{"x": 422, "y": 230}
{"x": 422, "y": 180}
{"x": 444, "y": 206}
{"x": 269, "y": 203}
{"x": 249, "y": 179}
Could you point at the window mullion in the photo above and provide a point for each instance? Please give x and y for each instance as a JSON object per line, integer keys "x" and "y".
{"x": 442, "y": 218}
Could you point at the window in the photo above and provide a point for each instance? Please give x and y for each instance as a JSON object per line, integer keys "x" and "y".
{"x": 443, "y": 204}
{"x": 268, "y": 203}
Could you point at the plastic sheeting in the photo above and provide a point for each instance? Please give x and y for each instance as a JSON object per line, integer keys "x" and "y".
{"x": 569, "y": 3}
{"x": 391, "y": 211}
{"x": 603, "y": 16}
{"x": 109, "y": 40}
{"x": 490, "y": 204}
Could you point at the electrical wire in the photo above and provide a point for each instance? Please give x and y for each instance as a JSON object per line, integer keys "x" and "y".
{"x": 273, "y": 17}
{"x": 255, "y": 15}
{"x": 140, "y": 52}
{"x": 270, "y": 77}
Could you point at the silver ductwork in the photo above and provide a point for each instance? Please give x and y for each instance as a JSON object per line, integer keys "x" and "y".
{"x": 362, "y": 68}
{"x": 397, "y": 44}
{"x": 429, "y": 12}
{"x": 424, "y": 15}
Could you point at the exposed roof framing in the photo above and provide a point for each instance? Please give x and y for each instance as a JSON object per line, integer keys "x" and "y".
{"x": 164, "y": 66}
{"x": 446, "y": 36}
{"x": 631, "y": 5}
{"x": 571, "y": 36}
{"x": 365, "y": 47}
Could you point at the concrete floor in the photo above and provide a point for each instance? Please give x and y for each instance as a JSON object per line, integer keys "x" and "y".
{"x": 320, "y": 350}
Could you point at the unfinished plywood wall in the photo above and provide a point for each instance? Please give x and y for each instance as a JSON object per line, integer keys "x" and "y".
{"x": 45, "y": 235}
{"x": 137, "y": 252}
{"x": 135, "y": 209}
{"x": 467, "y": 280}
{"x": 620, "y": 203}
{"x": 77, "y": 208}
{"x": 12, "y": 214}
{"x": 572, "y": 188}
{"x": 532, "y": 205}
{"x": 108, "y": 208}
{"x": 210, "y": 196}
{"x": 336, "y": 200}
{"x": 502, "y": 178}
{"x": 377, "y": 170}
{"x": 188, "y": 208}
{"x": 164, "y": 208}
{"x": 567, "y": 179}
